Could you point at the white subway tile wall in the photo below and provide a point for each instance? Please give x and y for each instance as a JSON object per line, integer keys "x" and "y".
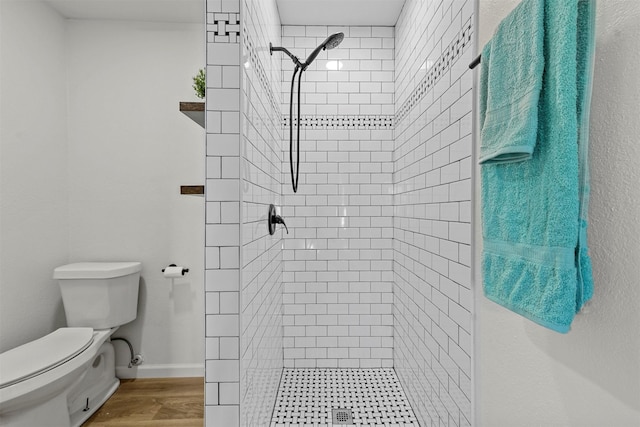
{"x": 222, "y": 207}
{"x": 261, "y": 347}
{"x": 338, "y": 276}
{"x": 432, "y": 209}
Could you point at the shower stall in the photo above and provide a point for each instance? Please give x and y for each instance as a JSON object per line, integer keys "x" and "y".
{"x": 368, "y": 296}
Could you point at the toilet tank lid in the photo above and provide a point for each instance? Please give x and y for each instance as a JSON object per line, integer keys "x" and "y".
{"x": 43, "y": 354}
{"x": 96, "y": 270}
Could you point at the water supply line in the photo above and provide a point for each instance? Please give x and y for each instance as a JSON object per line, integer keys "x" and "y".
{"x": 136, "y": 359}
{"x": 330, "y": 42}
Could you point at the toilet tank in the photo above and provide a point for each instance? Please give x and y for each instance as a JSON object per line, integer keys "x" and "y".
{"x": 99, "y": 295}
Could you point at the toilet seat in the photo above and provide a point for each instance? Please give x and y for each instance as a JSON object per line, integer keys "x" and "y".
{"x": 42, "y": 355}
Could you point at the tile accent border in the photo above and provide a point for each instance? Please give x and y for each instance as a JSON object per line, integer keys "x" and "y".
{"x": 254, "y": 61}
{"x": 224, "y": 27}
{"x": 349, "y": 122}
{"x": 441, "y": 65}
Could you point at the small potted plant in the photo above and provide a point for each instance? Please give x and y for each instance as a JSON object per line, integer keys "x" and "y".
{"x": 200, "y": 84}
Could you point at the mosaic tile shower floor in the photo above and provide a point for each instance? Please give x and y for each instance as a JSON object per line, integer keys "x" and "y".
{"x": 375, "y": 397}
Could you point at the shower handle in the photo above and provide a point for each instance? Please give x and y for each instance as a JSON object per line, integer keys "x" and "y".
{"x": 273, "y": 218}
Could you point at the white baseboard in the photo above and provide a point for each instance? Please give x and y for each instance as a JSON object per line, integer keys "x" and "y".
{"x": 161, "y": 371}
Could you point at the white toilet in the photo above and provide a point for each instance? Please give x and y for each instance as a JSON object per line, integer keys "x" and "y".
{"x": 61, "y": 379}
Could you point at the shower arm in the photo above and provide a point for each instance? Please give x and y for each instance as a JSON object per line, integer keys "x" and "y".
{"x": 289, "y": 54}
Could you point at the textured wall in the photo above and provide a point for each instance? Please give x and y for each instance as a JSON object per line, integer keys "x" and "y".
{"x": 432, "y": 210}
{"x": 337, "y": 292}
{"x": 591, "y": 376}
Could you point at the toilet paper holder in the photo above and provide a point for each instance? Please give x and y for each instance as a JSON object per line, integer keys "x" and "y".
{"x": 184, "y": 270}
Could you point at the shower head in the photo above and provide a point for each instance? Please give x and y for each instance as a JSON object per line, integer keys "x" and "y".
{"x": 332, "y": 41}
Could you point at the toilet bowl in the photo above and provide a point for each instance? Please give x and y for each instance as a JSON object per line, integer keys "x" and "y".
{"x": 44, "y": 382}
{"x": 61, "y": 379}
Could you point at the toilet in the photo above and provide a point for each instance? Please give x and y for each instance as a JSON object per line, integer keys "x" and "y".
{"x": 61, "y": 379}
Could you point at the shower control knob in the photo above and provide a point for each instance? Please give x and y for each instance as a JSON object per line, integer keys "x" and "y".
{"x": 273, "y": 218}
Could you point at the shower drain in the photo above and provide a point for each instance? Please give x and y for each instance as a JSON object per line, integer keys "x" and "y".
{"x": 342, "y": 416}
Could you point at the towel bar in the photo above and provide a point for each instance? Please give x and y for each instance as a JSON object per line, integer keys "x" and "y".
{"x": 475, "y": 62}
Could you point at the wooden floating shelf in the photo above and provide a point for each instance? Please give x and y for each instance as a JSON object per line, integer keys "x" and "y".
{"x": 197, "y": 190}
{"x": 194, "y": 110}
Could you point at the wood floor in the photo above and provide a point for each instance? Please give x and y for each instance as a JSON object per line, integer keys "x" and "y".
{"x": 175, "y": 402}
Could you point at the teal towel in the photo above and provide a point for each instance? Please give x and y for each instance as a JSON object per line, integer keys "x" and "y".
{"x": 511, "y": 117}
{"x": 534, "y": 117}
